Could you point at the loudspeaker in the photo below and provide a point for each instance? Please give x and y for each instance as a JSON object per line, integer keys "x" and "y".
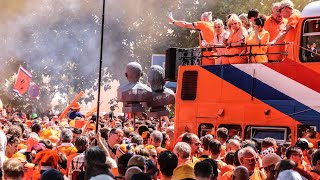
{"x": 172, "y": 64}
{"x": 176, "y": 57}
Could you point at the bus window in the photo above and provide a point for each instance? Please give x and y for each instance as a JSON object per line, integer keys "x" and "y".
{"x": 204, "y": 129}
{"x": 258, "y": 133}
{"x": 310, "y": 41}
{"x": 233, "y": 129}
{"x": 306, "y": 131}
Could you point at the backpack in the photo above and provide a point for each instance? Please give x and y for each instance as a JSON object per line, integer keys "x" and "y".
{"x": 78, "y": 174}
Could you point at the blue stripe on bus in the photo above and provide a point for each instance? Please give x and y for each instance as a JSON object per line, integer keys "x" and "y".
{"x": 267, "y": 94}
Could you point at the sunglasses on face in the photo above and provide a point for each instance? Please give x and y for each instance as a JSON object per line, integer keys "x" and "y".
{"x": 252, "y": 159}
{"x": 297, "y": 155}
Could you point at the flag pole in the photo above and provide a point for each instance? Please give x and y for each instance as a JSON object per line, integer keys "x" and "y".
{"x": 100, "y": 68}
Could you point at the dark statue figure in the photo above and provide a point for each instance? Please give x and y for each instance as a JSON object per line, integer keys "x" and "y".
{"x": 134, "y": 94}
{"x": 161, "y": 96}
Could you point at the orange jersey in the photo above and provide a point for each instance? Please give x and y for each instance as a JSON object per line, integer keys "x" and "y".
{"x": 206, "y": 31}
{"x": 292, "y": 22}
{"x": 207, "y": 34}
{"x": 274, "y": 29}
{"x": 252, "y": 40}
{"x": 66, "y": 150}
{"x": 234, "y": 38}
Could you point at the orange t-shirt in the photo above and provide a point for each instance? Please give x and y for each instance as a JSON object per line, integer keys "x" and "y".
{"x": 251, "y": 40}
{"x": 233, "y": 38}
{"x": 67, "y": 150}
{"x": 227, "y": 175}
{"x": 292, "y": 21}
{"x": 274, "y": 29}
{"x": 207, "y": 33}
{"x": 290, "y": 37}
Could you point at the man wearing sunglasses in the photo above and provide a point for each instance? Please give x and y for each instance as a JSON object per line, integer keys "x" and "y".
{"x": 289, "y": 32}
{"x": 206, "y": 31}
{"x": 248, "y": 158}
{"x": 195, "y": 144}
{"x": 295, "y": 154}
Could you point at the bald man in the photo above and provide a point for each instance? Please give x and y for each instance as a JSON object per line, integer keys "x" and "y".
{"x": 240, "y": 173}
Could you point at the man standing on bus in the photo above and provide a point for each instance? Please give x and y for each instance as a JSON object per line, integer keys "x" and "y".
{"x": 206, "y": 35}
{"x": 290, "y": 31}
{"x": 274, "y": 24}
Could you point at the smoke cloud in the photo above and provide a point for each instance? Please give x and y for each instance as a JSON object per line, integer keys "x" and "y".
{"x": 60, "y": 39}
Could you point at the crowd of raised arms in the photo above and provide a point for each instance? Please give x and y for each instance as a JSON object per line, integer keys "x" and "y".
{"x": 49, "y": 147}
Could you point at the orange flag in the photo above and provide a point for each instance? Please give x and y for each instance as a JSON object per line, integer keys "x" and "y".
{"x": 22, "y": 82}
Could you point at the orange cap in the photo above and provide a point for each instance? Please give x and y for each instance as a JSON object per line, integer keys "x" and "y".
{"x": 92, "y": 126}
{"x": 22, "y": 146}
{"x": 76, "y": 106}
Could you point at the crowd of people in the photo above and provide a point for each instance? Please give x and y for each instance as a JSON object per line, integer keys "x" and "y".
{"x": 109, "y": 147}
{"x": 52, "y": 148}
{"x": 251, "y": 37}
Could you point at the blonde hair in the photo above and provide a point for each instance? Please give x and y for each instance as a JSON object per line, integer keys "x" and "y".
{"x": 233, "y": 17}
{"x": 276, "y": 4}
{"x": 244, "y": 17}
{"x": 218, "y": 22}
{"x": 287, "y": 3}
{"x": 207, "y": 15}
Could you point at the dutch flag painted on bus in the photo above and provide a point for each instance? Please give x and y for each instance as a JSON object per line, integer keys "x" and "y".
{"x": 289, "y": 87}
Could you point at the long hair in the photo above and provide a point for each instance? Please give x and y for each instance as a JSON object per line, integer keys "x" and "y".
{"x": 96, "y": 162}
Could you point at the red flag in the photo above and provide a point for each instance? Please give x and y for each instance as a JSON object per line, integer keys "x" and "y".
{"x": 22, "y": 82}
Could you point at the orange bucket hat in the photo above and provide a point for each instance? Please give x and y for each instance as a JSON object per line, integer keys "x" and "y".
{"x": 47, "y": 133}
{"x": 76, "y": 106}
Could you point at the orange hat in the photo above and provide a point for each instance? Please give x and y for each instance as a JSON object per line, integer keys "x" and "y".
{"x": 130, "y": 129}
{"x": 148, "y": 147}
{"x": 22, "y": 146}
{"x": 48, "y": 156}
{"x": 47, "y": 133}
{"x": 28, "y": 123}
{"x": 92, "y": 126}
{"x": 122, "y": 149}
{"x": 54, "y": 139}
{"x": 144, "y": 134}
{"x": 76, "y": 106}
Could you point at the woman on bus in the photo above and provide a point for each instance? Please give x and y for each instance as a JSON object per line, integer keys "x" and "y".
{"x": 245, "y": 22}
{"x": 237, "y": 38}
{"x": 258, "y": 36}
{"x": 220, "y": 38}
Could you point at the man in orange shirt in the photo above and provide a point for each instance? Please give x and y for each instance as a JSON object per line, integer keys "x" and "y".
{"x": 274, "y": 24}
{"x": 289, "y": 32}
{"x": 66, "y": 147}
{"x": 206, "y": 35}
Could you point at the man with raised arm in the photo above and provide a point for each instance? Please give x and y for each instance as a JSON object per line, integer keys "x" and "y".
{"x": 206, "y": 35}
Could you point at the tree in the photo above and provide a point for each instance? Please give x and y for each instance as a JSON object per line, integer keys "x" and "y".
{"x": 59, "y": 41}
